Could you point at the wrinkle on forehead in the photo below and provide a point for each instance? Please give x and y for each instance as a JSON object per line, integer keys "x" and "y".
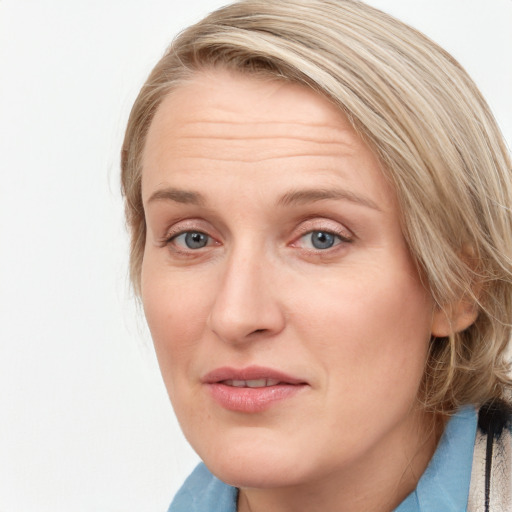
{"x": 227, "y": 139}
{"x": 214, "y": 99}
{"x": 262, "y": 148}
{"x": 248, "y": 130}
{"x": 225, "y": 117}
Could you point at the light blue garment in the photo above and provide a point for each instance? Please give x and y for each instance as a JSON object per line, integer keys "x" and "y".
{"x": 445, "y": 484}
{"x": 202, "y": 492}
{"x": 444, "y": 487}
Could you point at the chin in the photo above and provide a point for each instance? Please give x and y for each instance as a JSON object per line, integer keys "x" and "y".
{"x": 243, "y": 474}
{"x": 256, "y": 465}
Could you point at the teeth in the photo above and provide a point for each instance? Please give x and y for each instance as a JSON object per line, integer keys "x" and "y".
{"x": 255, "y": 383}
{"x": 259, "y": 383}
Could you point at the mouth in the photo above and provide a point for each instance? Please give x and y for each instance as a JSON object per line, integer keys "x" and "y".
{"x": 254, "y": 383}
{"x": 251, "y": 390}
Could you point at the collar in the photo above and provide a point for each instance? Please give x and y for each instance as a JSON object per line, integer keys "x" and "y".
{"x": 445, "y": 483}
{"x": 203, "y": 492}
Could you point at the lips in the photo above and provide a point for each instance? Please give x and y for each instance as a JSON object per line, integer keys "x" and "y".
{"x": 251, "y": 390}
{"x": 250, "y": 373}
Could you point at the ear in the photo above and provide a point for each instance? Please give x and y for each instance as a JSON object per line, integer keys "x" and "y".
{"x": 453, "y": 318}
{"x": 460, "y": 314}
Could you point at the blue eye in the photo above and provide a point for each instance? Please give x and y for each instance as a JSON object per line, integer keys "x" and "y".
{"x": 322, "y": 239}
{"x": 319, "y": 240}
{"x": 192, "y": 239}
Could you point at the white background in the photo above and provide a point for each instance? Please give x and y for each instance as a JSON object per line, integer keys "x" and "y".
{"x": 85, "y": 423}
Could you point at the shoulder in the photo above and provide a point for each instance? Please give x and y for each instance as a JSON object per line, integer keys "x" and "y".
{"x": 202, "y": 492}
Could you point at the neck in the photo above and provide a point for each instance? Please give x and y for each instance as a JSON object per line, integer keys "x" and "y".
{"x": 378, "y": 482}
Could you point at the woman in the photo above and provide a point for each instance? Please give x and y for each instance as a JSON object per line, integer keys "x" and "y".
{"x": 321, "y": 231}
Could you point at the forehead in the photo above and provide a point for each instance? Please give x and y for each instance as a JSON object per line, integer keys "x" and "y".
{"x": 228, "y": 94}
{"x": 224, "y": 122}
{"x": 223, "y": 105}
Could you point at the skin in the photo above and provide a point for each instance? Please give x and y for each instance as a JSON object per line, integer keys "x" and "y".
{"x": 353, "y": 320}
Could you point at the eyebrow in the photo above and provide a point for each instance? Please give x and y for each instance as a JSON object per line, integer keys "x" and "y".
{"x": 299, "y": 197}
{"x": 293, "y": 198}
{"x": 178, "y": 196}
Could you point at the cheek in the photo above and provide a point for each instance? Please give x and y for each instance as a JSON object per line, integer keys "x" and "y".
{"x": 175, "y": 318}
{"x": 371, "y": 335}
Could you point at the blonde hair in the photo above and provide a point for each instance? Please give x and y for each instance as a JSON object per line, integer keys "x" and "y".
{"x": 427, "y": 122}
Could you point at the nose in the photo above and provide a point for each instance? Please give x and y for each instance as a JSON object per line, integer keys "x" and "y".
{"x": 246, "y": 306}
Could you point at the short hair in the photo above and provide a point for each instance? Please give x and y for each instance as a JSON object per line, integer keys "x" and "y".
{"x": 425, "y": 119}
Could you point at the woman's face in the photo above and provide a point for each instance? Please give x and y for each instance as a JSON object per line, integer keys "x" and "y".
{"x": 289, "y": 320}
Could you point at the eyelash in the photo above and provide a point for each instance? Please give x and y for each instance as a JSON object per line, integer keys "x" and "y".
{"x": 339, "y": 237}
{"x": 330, "y": 233}
{"x": 174, "y": 237}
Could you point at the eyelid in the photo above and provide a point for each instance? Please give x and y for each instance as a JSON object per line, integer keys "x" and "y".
{"x": 179, "y": 250}
{"x": 306, "y": 227}
{"x": 340, "y": 240}
{"x": 185, "y": 225}
{"x": 172, "y": 236}
{"x": 326, "y": 225}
